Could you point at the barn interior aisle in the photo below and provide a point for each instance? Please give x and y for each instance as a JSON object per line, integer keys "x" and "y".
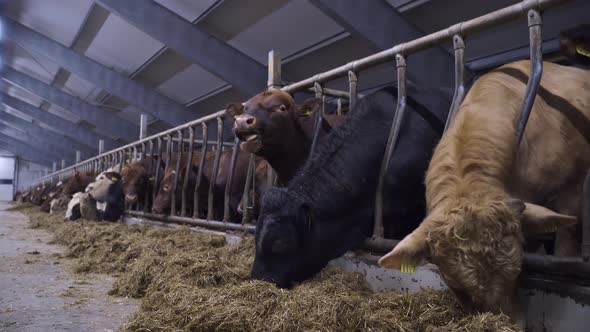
{"x": 38, "y": 290}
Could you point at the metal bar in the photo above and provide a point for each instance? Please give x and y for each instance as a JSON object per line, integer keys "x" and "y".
{"x": 319, "y": 118}
{"x": 586, "y": 219}
{"x": 111, "y": 124}
{"x": 157, "y": 176}
{"x": 246, "y": 194}
{"x": 100, "y": 146}
{"x": 213, "y": 180}
{"x": 176, "y": 172}
{"x": 143, "y": 123}
{"x": 274, "y": 70}
{"x": 150, "y": 171}
{"x": 195, "y": 222}
{"x": 187, "y": 173}
{"x": 459, "y": 94}
{"x": 391, "y": 143}
{"x": 535, "y": 26}
{"x": 230, "y": 177}
{"x": 352, "y": 89}
{"x": 204, "y": 147}
{"x": 339, "y": 107}
{"x": 63, "y": 163}
{"x": 54, "y": 166}
{"x": 138, "y": 94}
{"x": 78, "y": 156}
{"x": 466, "y": 28}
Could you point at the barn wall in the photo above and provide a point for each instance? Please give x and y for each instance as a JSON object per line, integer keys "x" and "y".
{"x": 27, "y": 172}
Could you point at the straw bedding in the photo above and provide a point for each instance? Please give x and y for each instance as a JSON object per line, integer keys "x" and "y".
{"x": 191, "y": 281}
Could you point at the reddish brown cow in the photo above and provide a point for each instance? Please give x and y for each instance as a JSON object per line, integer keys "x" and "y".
{"x": 137, "y": 178}
{"x": 54, "y": 192}
{"x": 273, "y": 127}
{"x": 575, "y": 45}
{"x": 77, "y": 182}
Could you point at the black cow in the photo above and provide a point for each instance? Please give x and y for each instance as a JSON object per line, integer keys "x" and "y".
{"x": 327, "y": 208}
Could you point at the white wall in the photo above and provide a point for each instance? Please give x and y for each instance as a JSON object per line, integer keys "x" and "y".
{"x": 6, "y": 178}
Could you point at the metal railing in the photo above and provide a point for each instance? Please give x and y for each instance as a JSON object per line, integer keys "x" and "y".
{"x": 154, "y": 145}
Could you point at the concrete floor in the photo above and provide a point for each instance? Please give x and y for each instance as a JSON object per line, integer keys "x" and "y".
{"x": 39, "y": 293}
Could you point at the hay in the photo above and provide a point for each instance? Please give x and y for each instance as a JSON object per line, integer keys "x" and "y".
{"x": 197, "y": 282}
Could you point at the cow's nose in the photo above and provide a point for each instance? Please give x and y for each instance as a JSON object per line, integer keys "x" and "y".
{"x": 245, "y": 121}
{"x": 131, "y": 198}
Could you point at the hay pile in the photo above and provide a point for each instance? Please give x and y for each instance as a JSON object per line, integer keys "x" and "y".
{"x": 198, "y": 282}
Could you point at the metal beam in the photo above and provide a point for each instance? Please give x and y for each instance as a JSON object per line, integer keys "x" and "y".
{"x": 68, "y": 128}
{"x": 147, "y": 99}
{"x": 228, "y": 63}
{"x": 103, "y": 120}
{"x": 25, "y": 152}
{"x": 384, "y": 27}
{"x": 30, "y": 127}
{"x": 35, "y": 140}
{"x": 21, "y": 146}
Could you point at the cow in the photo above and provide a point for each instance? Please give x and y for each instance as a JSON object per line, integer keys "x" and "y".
{"x": 107, "y": 191}
{"x": 82, "y": 206}
{"x": 53, "y": 192}
{"x": 40, "y": 194}
{"x": 485, "y": 196}
{"x": 138, "y": 177}
{"x": 73, "y": 209}
{"x": 272, "y": 126}
{"x": 59, "y": 204}
{"x": 327, "y": 208}
{"x": 575, "y": 45}
{"x": 77, "y": 182}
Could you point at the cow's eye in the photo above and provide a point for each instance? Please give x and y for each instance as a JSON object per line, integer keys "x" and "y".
{"x": 282, "y": 108}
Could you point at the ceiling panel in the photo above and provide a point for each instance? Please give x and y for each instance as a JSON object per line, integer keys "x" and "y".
{"x": 190, "y": 83}
{"x": 57, "y": 19}
{"x": 292, "y": 28}
{"x": 23, "y": 95}
{"x": 16, "y": 113}
{"x": 190, "y": 10}
{"x": 79, "y": 87}
{"x": 33, "y": 64}
{"x": 122, "y": 46}
{"x": 70, "y": 116}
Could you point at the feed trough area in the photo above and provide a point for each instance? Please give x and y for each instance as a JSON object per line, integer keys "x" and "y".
{"x": 388, "y": 165}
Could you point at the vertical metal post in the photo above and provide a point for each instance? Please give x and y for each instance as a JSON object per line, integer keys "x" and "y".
{"x": 352, "y": 89}
{"x": 459, "y": 47}
{"x": 63, "y": 163}
{"x": 78, "y": 156}
{"x": 204, "y": 146}
{"x": 177, "y": 170}
{"x": 391, "y": 143}
{"x": 274, "y": 70}
{"x": 188, "y": 171}
{"x": 143, "y": 122}
{"x": 230, "y": 178}
{"x": 213, "y": 181}
{"x": 535, "y": 23}
{"x": 151, "y": 178}
{"x": 46, "y": 171}
{"x": 157, "y": 176}
{"x": 339, "y": 106}
{"x": 54, "y": 167}
{"x": 100, "y": 146}
{"x": 586, "y": 219}
{"x": 319, "y": 94}
{"x": 247, "y": 188}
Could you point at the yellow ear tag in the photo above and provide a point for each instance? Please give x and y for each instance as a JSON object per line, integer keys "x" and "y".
{"x": 306, "y": 113}
{"x": 114, "y": 179}
{"x": 551, "y": 227}
{"x": 408, "y": 265}
{"x": 582, "y": 49}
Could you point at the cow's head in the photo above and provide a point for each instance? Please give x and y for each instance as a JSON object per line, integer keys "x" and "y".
{"x": 73, "y": 210}
{"x": 478, "y": 250}
{"x": 575, "y": 44}
{"x": 293, "y": 244}
{"x": 264, "y": 122}
{"x": 163, "y": 200}
{"x": 36, "y": 198}
{"x": 102, "y": 188}
{"x": 77, "y": 182}
{"x": 135, "y": 177}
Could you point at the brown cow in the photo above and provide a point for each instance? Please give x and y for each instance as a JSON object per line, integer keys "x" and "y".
{"x": 137, "y": 178}
{"x": 476, "y": 189}
{"x": 273, "y": 127}
{"x": 77, "y": 182}
{"x": 575, "y": 45}
{"x": 53, "y": 193}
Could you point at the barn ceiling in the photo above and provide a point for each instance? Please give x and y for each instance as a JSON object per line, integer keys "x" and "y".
{"x": 308, "y": 39}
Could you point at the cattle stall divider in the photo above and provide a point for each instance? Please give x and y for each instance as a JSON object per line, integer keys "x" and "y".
{"x": 178, "y": 143}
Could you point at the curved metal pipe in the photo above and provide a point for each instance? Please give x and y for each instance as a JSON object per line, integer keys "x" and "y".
{"x": 536, "y": 43}
{"x": 352, "y": 89}
{"x": 391, "y": 143}
{"x": 230, "y": 178}
{"x": 204, "y": 146}
{"x": 213, "y": 181}
{"x": 176, "y": 171}
{"x": 459, "y": 94}
{"x": 187, "y": 173}
{"x": 246, "y": 194}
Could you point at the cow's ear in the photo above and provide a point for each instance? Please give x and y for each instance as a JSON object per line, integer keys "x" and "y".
{"x": 410, "y": 252}
{"x": 536, "y": 219}
{"x": 308, "y": 107}
{"x": 234, "y": 109}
